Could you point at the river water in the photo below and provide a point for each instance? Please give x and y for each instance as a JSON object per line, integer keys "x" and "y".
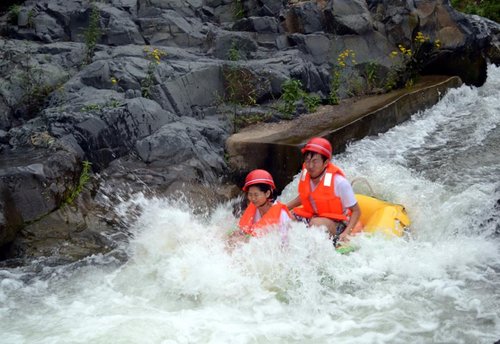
{"x": 439, "y": 284}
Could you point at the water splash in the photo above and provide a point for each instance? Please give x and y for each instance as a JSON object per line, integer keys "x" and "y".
{"x": 182, "y": 285}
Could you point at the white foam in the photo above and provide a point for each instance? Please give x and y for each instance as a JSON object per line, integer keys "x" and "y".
{"x": 181, "y": 284}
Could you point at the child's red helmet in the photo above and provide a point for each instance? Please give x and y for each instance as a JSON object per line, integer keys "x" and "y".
{"x": 259, "y": 177}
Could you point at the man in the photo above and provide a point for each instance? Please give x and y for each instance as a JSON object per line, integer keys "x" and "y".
{"x": 326, "y": 197}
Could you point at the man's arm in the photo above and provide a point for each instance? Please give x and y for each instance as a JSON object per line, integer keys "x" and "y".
{"x": 294, "y": 203}
{"x": 356, "y": 213}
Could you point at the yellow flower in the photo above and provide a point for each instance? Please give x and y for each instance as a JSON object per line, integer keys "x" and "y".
{"x": 420, "y": 38}
{"x": 114, "y": 81}
{"x": 394, "y": 54}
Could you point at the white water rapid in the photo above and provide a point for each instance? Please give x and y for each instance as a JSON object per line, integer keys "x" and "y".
{"x": 441, "y": 284}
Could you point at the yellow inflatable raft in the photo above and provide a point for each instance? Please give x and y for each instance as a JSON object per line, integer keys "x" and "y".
{"x": 382, "y": 217}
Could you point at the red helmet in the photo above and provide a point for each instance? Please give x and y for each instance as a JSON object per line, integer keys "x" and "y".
{"x": 259, "y": 177}
{"x": 319, "y": 145}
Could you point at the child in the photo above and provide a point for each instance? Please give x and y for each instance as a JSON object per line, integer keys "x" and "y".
{"x": 263, "y": 212}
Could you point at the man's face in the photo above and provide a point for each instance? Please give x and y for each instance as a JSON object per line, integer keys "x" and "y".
{"x": 315, "y": 164}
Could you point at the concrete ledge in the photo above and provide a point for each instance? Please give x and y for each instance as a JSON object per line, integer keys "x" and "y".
{"x": 276, "y": 146}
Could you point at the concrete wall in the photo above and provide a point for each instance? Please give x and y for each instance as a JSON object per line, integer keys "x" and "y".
{"x": 276, "y": 147}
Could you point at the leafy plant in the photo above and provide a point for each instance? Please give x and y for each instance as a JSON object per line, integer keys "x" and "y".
{"x": 234, "y": 53}
{"x": 32, "y": 79}
{"x": 333, "y": 96}
{"x": 238, "y": 9}
{"x": 370, "y": 75}
{"x": 154, "y": 56}
{"x": 113, "y": 103}
{"x": 31, "y": 16}
{"x": 345, "y": 61}
{"x": 13, "y": 14}
{"x": 411, "y": 60}
{"x": 292, "y": 92}
{"x": 240, "y": 85}
{"x": 355, "y": 87}
{"x": 484, "y": 8}
{"x": 91, "y": 107}
{"x": 110, "y": 104}
{"x": 92, "y": 34}
{"x": 391, "y": 79}
{"x": 312, "y": 102}
{"x": 82, "y": 181}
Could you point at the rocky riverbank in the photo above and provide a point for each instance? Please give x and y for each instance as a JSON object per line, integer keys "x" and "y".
{"x": 148, "y": 92}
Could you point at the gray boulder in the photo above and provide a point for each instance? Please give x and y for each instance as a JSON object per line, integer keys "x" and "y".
{"x": 119, "y": 28}
{"x": 36, "y": 182}
{"x": 348, "y": 17}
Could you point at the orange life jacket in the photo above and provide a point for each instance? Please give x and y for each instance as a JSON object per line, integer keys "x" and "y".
{"x": 327, "y": 203}
{"x": 271, "y": 218}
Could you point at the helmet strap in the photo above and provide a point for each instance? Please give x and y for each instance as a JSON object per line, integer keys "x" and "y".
{"x": 318, "y": 178}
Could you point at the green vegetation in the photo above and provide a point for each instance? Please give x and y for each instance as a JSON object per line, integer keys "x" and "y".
{"x": 35, "y": 87}
{"x": 91, "y": 107}
{"x": 343, "y": 67}
{"x": 82, "y": 181}
{"x": 240, "y": 84}
{"x": 113, "y": 103}
{"x": 35, "y": 90}
{"x": 31, "y": 16}
{"x": 13, "y": 14}
{"x": 92, "y": 34}
{"x": 293, "y": 92}
{"x": 485, "y": 8}
{"x": 391, "y": 80}
{"x": 238, "y": 10}
{"x": 244, "y": 121}
{"x": 368, "y": 78}
{"x": 233, "y": 53}
{"x": 333, "y": 97}
{"x": 154, "y": 56}
{"x": 370, "y": 75}
{"x": 110, "y": 104}
{"x": 411, "y": 61}
{"x": 311, "y": 102}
